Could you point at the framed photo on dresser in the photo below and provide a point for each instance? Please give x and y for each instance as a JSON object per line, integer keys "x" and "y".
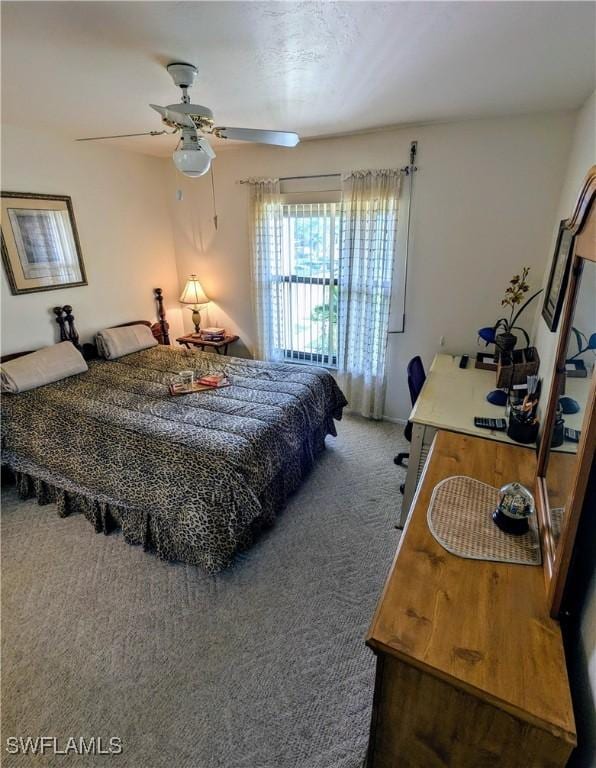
{"x": 40, "y": 243}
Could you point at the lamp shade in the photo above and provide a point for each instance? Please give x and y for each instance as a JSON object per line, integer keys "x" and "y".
{"x": 193, "y": 293}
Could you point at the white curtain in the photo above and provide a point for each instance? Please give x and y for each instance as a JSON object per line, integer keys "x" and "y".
{"x": 368, "y": 236}
{"x": 266, "y": 222}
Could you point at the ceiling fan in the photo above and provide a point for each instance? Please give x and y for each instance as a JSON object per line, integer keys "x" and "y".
{"x": 193, "y": 157}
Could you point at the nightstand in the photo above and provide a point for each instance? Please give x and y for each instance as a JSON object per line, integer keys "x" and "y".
{"x": 221, "y": 347}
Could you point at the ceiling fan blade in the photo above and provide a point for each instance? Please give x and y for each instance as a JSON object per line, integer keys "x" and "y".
{"x": 206, "y": 147}
{"x": 122, "y": 136}
{"x": 173, "y": 117}
{"x": 280, "y": 138}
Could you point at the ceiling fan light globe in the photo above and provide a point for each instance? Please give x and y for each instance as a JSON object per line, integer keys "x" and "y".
{"x": 191, "y": 162}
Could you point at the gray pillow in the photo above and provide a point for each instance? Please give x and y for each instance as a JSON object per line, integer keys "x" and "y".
{"x": 113, "y": 343}
{"x": 42, "y": 367}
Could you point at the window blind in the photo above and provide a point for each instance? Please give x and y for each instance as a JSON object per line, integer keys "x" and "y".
{"x": 310, "y": 272}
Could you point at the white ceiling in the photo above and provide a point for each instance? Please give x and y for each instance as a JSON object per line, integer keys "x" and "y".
{"x": 319, "y": 68}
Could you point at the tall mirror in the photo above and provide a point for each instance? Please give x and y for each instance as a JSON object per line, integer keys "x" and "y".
{"x": 567, "y": 443}
{"x": 574, "y": 394}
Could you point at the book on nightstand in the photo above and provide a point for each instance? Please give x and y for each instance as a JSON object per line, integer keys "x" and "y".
{"x": 213, "y": 334}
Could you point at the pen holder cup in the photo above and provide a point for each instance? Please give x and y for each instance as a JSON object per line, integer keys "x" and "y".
{"x": 558, "y": 437}
{"x": 521, "y": 430}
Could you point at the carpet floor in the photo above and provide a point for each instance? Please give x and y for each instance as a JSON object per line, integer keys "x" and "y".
{"x": 262, "y": 666}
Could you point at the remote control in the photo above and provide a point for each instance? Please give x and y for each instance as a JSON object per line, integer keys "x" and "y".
{"x": 572, "y": 434}
{"x": 463, "y": 363}
{"x": 498, "y": 424}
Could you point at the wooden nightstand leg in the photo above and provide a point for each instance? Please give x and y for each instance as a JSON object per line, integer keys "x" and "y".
{"x": 225, "y": 350}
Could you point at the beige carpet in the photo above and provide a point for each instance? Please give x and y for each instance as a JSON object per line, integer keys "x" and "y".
{"x": 263, "y": 666}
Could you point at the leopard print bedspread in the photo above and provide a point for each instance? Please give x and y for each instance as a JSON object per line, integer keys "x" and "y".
{"x": 191, "y": 477}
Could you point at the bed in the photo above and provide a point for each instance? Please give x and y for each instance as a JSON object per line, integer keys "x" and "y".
{"x": 193, "y": 478}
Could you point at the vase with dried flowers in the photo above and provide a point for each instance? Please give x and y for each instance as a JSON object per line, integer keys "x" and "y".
{"x": 504, "y": 338}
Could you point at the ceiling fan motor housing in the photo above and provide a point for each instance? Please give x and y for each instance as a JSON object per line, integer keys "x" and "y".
{"x": 183, "y": 75}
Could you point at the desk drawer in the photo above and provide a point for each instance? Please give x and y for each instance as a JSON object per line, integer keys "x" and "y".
{"x": 420, "y": 721}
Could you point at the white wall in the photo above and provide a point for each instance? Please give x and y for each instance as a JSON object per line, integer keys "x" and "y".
{"x": 125, "y": 231}
{"x": 484, "y": 203}
{"x": 581, "y": 157}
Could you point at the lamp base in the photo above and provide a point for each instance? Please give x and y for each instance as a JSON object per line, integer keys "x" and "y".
{"x": 196, "y": 318}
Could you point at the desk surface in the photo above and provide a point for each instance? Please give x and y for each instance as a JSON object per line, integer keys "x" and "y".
{"x": 452, "y": 396}
{"x": 482, "y": 626}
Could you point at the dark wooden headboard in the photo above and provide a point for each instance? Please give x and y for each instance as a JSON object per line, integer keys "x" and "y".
{"x": 161, "y": 329}
{"x": 68, "y": 331}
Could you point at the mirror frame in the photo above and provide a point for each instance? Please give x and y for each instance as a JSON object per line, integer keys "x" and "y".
{"x": 557, "y": 555}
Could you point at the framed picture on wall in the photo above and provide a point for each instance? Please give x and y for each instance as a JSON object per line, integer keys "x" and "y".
{"x": 40, "y": 243}
{"x": 558, "y": 278}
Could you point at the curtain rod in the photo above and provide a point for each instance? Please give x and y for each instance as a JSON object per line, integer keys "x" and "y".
{"x": 407, "y": 169}
{"x": 293, "y": 178}
{"x": 314, "y": 176}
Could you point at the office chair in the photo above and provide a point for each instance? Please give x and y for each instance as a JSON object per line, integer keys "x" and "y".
{"x": 416, "y": 379}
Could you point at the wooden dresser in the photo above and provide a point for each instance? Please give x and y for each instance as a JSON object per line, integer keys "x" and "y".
{"x": 470, "y": 667}
{"x": 450, "y": 399}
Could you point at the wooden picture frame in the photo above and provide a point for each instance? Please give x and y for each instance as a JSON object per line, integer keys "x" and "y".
{"x": 557, "y": 553}
{"x": 40, "y": 243}
{"x": 559, "y": 277}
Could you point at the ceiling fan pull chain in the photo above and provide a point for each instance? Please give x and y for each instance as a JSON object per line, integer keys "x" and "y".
{"x": 213, "y": 196}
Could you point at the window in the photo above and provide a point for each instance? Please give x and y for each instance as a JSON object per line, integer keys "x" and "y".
{"x": 310, "y": 266}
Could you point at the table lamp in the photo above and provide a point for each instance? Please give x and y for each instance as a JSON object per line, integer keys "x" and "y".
{"x": 194, "y": 295}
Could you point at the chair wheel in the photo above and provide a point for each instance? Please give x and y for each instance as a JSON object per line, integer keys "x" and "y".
{"x": 399, "y": 459}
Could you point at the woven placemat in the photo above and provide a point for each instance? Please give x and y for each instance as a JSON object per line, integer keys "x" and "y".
{"x": 460, "y": 519}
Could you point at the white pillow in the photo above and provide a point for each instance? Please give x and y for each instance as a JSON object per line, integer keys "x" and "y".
{"x": 113, "y": 343}
{"x": 42, "y": 367}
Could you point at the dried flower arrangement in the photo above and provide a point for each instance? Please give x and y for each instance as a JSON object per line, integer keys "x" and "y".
{"x": 514, "y": 295}
{"x": 517, "y": 287}
{"x": 500, "y": 333}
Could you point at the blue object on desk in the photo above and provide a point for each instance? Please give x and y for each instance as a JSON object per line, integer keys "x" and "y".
{"x": 487, "y": 335}
{"x": 497, "y": 397}
{"x": 569, "y": 405}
